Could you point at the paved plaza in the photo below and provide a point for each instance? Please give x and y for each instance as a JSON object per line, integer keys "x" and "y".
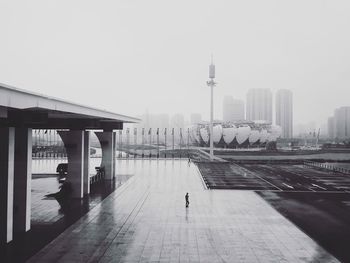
{"x": 146, "y": 220}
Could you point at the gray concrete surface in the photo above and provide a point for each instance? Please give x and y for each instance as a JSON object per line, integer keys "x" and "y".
{"x": 146, "y": 221}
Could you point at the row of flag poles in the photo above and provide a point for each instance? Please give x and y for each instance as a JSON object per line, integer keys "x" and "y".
{"x": 151, "y": 137}
{"x": 47, "y": 143}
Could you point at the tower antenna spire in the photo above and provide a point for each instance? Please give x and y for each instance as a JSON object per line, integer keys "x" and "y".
{"x": 211, "y": 84}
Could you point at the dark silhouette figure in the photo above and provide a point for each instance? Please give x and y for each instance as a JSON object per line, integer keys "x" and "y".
{"x": 187, "y": 199}
{"x": 63, "y": 196}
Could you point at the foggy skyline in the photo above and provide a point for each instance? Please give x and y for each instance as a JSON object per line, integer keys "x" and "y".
{"x": 129, "y": 57}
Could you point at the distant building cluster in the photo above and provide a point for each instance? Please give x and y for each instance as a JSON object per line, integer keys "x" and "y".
{"x": 306, "y": 130}
{"x": 233, "y": 133}
{"x": 339, "y": 124}
{"x": 161, "y": 121}
{"x": 259, "y": 108}
{"x": 257, "y": 114}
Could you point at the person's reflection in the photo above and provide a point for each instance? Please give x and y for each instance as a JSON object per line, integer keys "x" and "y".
{"x": 187, "y": 211}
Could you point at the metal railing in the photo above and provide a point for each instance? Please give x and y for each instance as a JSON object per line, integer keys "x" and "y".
{"x": 327, "y": 166}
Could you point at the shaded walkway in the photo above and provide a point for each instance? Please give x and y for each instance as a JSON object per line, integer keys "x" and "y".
{"x": 146, "y": 220}
{"x": 49, "y": 220}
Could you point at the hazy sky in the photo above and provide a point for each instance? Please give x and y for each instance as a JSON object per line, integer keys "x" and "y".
{"x": 132, "y": 56}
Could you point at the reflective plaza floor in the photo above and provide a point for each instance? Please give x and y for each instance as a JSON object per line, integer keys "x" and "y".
{"x": 145, "y": 220}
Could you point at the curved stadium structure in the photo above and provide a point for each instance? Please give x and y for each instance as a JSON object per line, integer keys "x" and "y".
{"x": 235, "y": 134}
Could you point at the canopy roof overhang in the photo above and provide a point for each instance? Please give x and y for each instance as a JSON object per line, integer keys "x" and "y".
{"x": 21, "y": 108}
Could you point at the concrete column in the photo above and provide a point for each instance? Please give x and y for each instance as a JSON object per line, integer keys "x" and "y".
{"x": 107, "y": 141}
{"x": 74, "y": 144}
{"x": 114, "y": 153}
{"x": 22, "y": 180}
{"x": 86, "y": 163}
{"x": 7, "y": 154}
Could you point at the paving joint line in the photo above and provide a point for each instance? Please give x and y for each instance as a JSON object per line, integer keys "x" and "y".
{"x": 143, "y": 197}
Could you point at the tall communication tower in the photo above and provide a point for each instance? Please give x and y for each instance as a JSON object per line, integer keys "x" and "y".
{"x": 211, "y": 83}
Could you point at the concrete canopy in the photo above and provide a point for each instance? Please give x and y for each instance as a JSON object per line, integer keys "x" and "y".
{"x": 21, "y": 108}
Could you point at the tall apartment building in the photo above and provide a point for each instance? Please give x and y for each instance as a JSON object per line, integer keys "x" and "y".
{"x": 342, "y": 122}
{"x": 232, "y": 109}
{"x": 331, "y": 127}
{"x": 259, "y": 105}
{"x": 284, "y": 112}
{"x": 195, "y": 118}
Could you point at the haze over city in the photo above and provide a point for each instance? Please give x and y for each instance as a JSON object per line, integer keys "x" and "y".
{"x": 163, "y": 131}
{"x": 161, "y": 50}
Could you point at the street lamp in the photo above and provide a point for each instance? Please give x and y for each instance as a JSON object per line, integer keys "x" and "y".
{"x": 211, "y": 84}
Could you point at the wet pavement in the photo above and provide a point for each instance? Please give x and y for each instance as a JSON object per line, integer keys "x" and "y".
{"x": 323, "y": 216}
{"x": 48, "y": 219}
{"x": 145, "y": 220}
{"x": 46, "y": 210}
{"x": 315, "y": 199}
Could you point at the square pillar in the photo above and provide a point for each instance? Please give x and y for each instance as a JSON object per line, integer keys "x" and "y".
{"x": 86, "y": 189}
{"x": 7, "y": 152}
{"x": 107, "y": 141}
{"x": 74, "y": 144}
{"x": 22, "y": 180}
{"x": 114, "y": 153}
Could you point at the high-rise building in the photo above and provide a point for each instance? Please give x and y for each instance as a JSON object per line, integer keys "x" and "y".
{"x": 232, "y": 109}
{"x": 324, "y": 130}
{"x": 331, "y": 127}
{"x": 195, "y": 118}
{"x": 177, "y": 121}
{"x": 259, "y": 105}
{"x": 153, "y": 121}
{"x": 284, "y": 112}
{"x": 342, "y": 122}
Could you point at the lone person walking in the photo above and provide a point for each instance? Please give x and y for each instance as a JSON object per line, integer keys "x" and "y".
{"x": 187, "y": 200}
